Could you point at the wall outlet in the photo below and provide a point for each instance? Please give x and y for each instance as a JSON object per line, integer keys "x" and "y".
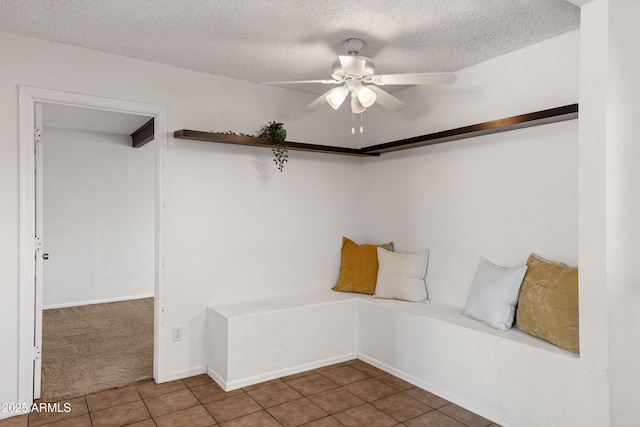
{"x": 177, "y": 333}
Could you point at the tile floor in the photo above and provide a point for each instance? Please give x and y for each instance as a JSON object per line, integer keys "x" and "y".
{"x": 352, "y": 393}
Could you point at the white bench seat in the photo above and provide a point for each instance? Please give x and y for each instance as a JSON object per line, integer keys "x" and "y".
{"x": 431, "y": 345}
{"x": 448, "y": 314}
{"x": 255, "y": 341}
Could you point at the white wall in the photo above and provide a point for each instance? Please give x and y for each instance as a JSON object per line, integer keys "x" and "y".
{"x": 99, "y": 218}
{"x": 610, "y": 200}
{"x": 498, "y": 196}
{"x": 236, "y": 227}
{"x": 623, "y": 205}
{"x": 541, "y": 76}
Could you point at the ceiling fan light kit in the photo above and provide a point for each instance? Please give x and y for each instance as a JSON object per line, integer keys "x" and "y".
{"x": 335, "y": 97}
{"x": 366, "y": 96}
{"x": 357, "y": 76}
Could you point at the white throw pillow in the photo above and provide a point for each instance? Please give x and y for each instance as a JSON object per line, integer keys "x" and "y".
{"x": 494, "y": 294}
{"x": 401, "y": 275}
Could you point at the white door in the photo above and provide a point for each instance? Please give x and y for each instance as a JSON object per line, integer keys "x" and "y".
{"x": 39, "y": 253}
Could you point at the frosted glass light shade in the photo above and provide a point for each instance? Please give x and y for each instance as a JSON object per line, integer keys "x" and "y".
{"x": 336, "y": 97}
{"x": 366, "y": 96}
{"x": 356, "y": 106}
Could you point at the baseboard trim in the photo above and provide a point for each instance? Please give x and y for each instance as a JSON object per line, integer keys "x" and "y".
{"x": 244, "y": 382}
{"x": 471, "y": 406}
{"x": 178, "y": 375}
{"x": 217, "y": 378}
{"x": 97, "y": 301}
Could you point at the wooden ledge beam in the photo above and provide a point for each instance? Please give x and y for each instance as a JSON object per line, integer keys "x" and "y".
{"x": 143, "y": 134}
{"x": 263, "y": 142}
{"x": 552, "y": 115}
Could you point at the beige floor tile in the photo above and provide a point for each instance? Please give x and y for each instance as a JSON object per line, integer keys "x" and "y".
{"x": 401, "y": 407}
{"x": 111, "y": 398}
{"x": 274, "y": 394}
{"x": 325, "y": 422}
{"x": 297, "y": 412}
{"x": 145, "y": 423}
{"x": 365, "y": 415}
{"x": 334, "y": 366}
{"x": 298, "y": 375}
{"x": 336, "y": 400}
{"x": 232, "y": 407}
{"x": 78, "y": 406}
{"x": 395, "y": 382}
{"x": 122, "y": 415}
{"x": 370, "y": 389}
{"x": 344, "y": 375}
{"x": 311, "y": 384}
{"x": 262, "y": 384}
{"x": 427, "y": 398}
{"x": 17, "y": 421}
{"x": 261, "y": 419}
{"x": 197, "y": 380}
{"x": 464, "y": 416}
{"x": 150, "y": 388}
{"x": 81, "y": 421}
{"x": 171, "y": 402}
{"x": 209, "y": 392}
{"x": 433, "y": 419}
{"x": 192, "y": 417}
{"x": 370, "y": 370}
{"x": 271, "y": 403}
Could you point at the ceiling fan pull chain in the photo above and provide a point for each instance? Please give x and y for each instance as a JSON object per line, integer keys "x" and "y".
{"x": 353, "y": 127}
{"x": 361, "y": 128}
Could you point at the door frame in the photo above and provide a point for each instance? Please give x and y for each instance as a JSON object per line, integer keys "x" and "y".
{"x": 27, "y": 98}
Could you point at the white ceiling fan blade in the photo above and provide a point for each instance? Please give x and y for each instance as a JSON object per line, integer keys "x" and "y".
{"x": 290, "y": 82}
{"x": 318, "y": 102}
{"x": 414, "y": 79}
{"x": 387, "y": 100}
{"x": 352, "y": 64}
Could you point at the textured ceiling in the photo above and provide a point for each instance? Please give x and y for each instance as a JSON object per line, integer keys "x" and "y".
{"x": 266, "y": 40}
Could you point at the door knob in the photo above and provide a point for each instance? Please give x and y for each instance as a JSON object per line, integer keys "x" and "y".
{"x": 45, "y": 256}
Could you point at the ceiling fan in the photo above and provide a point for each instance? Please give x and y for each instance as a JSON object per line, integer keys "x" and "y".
{"x": 356, "y": 76}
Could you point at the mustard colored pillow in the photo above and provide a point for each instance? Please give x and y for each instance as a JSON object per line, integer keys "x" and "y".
{"x": 359, "y": 267}
{"x": 548, "y": 304}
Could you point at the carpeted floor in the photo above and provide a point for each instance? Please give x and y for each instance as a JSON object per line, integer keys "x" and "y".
{"x": 97, "y": 347}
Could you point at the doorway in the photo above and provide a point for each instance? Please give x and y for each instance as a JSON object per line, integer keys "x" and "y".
{"x": 95, "y": 219}
{"x": 31, "y": 249}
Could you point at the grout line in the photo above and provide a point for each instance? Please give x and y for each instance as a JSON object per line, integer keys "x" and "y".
{"x": 145, "y": 405}
{"x": 86, "y": 402}
{"x": 303, "y": 396}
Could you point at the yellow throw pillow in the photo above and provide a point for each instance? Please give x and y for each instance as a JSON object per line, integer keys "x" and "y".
{"x": 359, "y": 267}
{"x": 548, "y": 304}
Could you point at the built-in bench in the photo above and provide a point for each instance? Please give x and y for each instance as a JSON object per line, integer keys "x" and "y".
{"x": 256, "y": 341}
{"x": 431, "y": 345}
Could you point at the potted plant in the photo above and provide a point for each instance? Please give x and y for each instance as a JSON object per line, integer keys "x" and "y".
{"x": 276, "y": 133}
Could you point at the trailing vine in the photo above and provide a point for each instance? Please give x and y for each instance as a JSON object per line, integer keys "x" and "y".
{"x": 276, "y": 133}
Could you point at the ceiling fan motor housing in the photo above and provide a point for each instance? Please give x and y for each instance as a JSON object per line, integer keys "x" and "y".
{"x": 338, "y": 73}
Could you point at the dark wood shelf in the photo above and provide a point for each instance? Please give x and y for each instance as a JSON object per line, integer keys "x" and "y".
{"x": 262, "y": 142}
{"x": 543, "y": 117}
